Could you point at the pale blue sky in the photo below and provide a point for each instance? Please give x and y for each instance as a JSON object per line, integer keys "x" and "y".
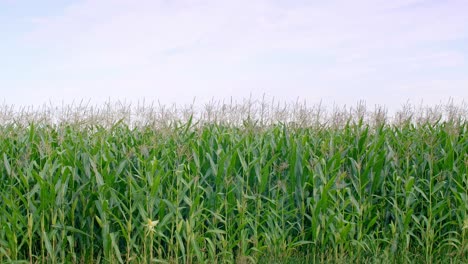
{"x": 383, "y": 52}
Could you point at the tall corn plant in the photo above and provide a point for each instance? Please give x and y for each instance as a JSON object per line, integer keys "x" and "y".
{"x": 198, "y": 192}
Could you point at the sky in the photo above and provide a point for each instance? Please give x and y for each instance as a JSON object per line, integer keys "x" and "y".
{"x": 381, "y": 52}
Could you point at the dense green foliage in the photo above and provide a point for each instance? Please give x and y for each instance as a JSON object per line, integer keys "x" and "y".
{"x": 218, "y": 193}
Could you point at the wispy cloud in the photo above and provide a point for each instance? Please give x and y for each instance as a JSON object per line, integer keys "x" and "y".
{"x": 175, "y": 50}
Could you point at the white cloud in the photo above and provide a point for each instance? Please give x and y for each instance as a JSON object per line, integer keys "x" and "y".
{"x": 175, "y": 50}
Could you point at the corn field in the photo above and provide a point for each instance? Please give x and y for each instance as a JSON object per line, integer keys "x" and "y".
{"x": 235, "y": 184}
